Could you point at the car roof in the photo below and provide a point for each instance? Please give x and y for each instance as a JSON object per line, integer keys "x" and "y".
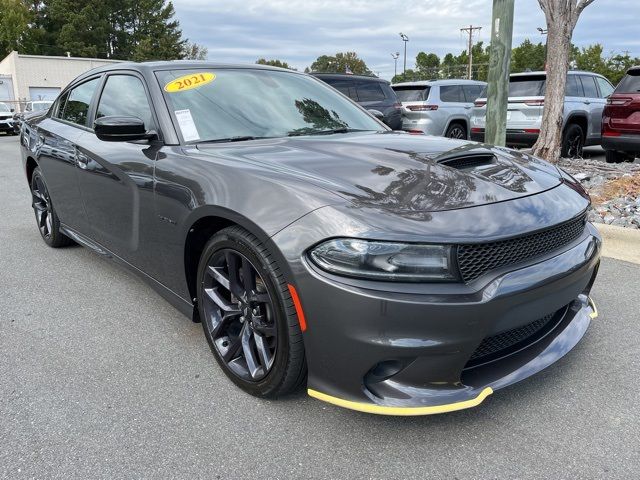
{"x": 155, "y": 66}
{"x": 348, "y": 76}
{"x": 543, "y": 73}
{"x": 429, "y": 83}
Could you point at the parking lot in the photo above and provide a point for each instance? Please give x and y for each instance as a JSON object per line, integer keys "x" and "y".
{"x": 101, "y": 378}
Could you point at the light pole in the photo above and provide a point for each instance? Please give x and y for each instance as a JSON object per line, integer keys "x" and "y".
{"x": 544, "y": 31}
{"x": 405, "y": 39}
{"x": 395, "y": 63}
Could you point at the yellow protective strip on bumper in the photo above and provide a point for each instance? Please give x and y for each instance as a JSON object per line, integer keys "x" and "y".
{"x": 593, "y": 314}
{"x": 401, "y": 411}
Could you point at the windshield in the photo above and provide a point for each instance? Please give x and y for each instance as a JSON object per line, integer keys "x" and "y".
{"x": 38, "y": 106}
{"x": 4, "y": 108}
{"x": 527, "y": 86}
{"x": 412, "y": 94}
{"x": 630, "y": 83}
{"x": 240, "y": 104}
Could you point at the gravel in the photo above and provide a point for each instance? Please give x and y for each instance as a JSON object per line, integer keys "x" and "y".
{"x": 622, "y": 211}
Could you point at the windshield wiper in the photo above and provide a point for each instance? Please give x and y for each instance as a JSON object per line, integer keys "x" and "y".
{"x": 327, "y": 132}
{"x": 240, "y": 138}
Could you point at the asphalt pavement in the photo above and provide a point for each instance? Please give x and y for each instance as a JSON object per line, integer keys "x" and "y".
{"x": 101, "y": 378}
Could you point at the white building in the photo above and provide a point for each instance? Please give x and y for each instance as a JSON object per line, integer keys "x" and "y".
{"x": 37, "y": 77}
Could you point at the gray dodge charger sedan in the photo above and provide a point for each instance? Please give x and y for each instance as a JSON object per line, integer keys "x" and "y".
{"x": 386, "y": 272}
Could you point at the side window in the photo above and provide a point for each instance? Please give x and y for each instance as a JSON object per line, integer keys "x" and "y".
{"x": 605, "y": 87}
{"x": 574, "y": 88}
{"x": 124, "y": 96}
{"x": 345, "y": 87}
{"x": 370, "y": 92}
{"x": 451, "y": 93}
{"x": 472, "y": 92}
{"x": 76, "y": 107}
{"x": 589, "y": 86}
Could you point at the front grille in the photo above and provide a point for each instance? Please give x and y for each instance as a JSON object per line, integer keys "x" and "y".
{"x": 475, "y": 259}
{"x": 511, "y": 340}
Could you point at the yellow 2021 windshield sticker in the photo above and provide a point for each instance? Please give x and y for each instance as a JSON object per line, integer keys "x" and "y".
{"x": 187, "y": 82}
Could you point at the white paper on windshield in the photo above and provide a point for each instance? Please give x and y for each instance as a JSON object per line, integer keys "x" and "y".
{"x": 187, "y": 126}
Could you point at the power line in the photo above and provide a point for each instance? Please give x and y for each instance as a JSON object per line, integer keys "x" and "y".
{"x": 470, "y": 29}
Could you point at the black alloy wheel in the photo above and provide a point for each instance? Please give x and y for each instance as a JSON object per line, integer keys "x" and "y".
{"x": 46, "y": 217}
{"x": 573, "y": 142}
{"x": 457, "y": 131}
{"x": 239, "y": 315}
{"x": 248, "y": 316}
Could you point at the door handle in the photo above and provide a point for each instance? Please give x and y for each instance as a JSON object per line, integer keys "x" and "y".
{"x": 587, "y": 102}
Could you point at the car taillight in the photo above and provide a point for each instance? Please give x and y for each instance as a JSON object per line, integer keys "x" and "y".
{"x": 421, "y": 108}
{"x": 479, "y": 103}
{"x": 416, "y": 132}
{"x": 618, "y": 101}
{"x": 534, "y": 103}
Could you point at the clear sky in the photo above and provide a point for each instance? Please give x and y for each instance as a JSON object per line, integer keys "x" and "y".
{"x": 298, "y": 31}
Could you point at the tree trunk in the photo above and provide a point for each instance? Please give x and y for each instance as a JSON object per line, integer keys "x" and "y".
{"x": 562, "y": 17}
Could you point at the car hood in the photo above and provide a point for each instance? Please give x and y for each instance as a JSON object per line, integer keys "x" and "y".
{"x": 400, "y": 172}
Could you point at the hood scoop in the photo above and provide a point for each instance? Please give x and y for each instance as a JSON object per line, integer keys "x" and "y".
{"x": 468, "y": 162}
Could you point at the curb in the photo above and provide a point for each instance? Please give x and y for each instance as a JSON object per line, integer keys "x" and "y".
{"x": 620, "y": 243}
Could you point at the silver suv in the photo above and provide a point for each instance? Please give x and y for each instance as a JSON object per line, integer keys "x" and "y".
{"x": 438, "y": 107}
{"x": 585, "y": 98}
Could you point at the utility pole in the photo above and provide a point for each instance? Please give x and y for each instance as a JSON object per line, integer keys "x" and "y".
{"x": 405, "y": 39}
{"x": 395, "y": 63}
{"x": 544, "y": 32}
{"x": 499, "y": 66}
{"x": 470, "y": 31}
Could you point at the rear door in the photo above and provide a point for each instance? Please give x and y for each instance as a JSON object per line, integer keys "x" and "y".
{"x": 116, "y": 178}
{"x": 594, "y": 105}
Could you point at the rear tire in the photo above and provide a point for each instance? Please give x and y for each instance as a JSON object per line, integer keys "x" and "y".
{"x": 613, "y": 156}
{"x": 572, "y": 141}
{"x": 248, "y": 315}
{"x": 46, "y": 217}
{"x": 457, "y": 131}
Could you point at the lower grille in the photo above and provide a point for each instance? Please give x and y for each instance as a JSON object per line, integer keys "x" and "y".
{"x": 515, "y": 339}
{"x": 476, "y": 259}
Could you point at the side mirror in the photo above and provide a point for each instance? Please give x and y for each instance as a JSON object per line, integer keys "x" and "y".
{"x": 377, "y": 113}
{"x": 120, "y": 129}
{"x": 12, "y": 110}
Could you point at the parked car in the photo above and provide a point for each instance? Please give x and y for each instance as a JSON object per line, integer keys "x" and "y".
{"x": 585, "y": 98}
{"x": 438, "y": 107}
{"x": 374, "y": 94}
{"x": 31, "y": 108}
{"x": 390, "y": 273}
{"x": 621, "y": 120}
{"x": 6, "y": 119}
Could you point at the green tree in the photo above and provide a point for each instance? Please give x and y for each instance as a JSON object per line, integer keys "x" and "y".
{"x": 274, "y": 63}
{"x": 409, "y": 76}
{"x": 156, "y": 32}
{"x": 14, "y": 20}
{"x": 591, "y": 59}
{"x": 193, "y": 51}
{"x": 340, "y": 63}
{"x": 528, "y": 56}
{"x": 428, "y": 65}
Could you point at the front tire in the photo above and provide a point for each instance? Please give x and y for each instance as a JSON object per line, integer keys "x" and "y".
{"x": 572, "y": 142}
{"x": 46, "y": 217}
{"x": 248, "y": 315}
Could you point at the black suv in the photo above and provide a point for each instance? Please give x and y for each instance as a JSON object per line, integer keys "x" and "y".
{"x": 371, "y": 93}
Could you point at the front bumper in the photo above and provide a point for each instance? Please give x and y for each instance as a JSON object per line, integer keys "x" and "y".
{"x": 409, "y": 353}
{"x": 6, "y": 126}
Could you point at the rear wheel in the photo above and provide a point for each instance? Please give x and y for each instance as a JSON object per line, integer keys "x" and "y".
{"x": 248, "y": 315}
{"x": 572, "y": 142}
{"x": 456, "y": 130}
{"x": 613, "y": 156}
{"x": 46, "y": 218}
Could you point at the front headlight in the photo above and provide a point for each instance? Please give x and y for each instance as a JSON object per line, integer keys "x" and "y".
{"x": 400, "y": 262}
